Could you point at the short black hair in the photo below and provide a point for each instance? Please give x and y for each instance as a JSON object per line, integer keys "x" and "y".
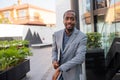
{"x": 70, "y": 11}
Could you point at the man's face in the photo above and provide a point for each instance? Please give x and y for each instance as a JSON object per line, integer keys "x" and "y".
{"x": 69, "y": 20}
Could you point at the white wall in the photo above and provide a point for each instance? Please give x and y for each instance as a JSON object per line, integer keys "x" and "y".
{"x": 10, "y": 30}
{"x": 45, "y": 33}
{"x": 61, "y": 7}
{"x": 82, "y": 10}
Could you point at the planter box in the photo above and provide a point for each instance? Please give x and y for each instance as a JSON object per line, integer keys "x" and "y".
{"x": 17, "y": 72}
{"x": 95, "y": 64}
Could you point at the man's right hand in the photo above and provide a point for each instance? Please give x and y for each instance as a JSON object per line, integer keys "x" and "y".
{"x": 55, "y": 64}
{"x": 56, "y": 74}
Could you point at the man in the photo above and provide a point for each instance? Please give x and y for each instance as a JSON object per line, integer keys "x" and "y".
{"x": 68, "y": 49}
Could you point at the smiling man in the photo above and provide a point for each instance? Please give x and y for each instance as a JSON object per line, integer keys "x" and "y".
{"x": 68, "y": 49}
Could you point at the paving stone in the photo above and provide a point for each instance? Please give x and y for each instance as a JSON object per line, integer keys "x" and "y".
{"x": 40, "y": 64}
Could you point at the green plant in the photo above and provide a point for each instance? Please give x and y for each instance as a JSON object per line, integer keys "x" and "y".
{"x": 94, "y": 40}
{"x": 112, "y": 35}
{"x": 12, "y": 53}
{"x": 5, "y": 20}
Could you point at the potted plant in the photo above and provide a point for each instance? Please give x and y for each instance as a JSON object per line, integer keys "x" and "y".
{"x": 94, "y": 40}
{"x": 95, "y": 62}
{"x": 13, "y": 62}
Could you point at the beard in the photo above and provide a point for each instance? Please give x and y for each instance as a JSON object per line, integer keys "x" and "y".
{"x": 69, "y": 27}
{"x": 70, "y": 30}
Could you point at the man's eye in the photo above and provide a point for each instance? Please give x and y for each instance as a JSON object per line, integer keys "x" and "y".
{"x": 72, "y": 19}
{"x": 66, "y": 18}
{"x": 69, "y": 18}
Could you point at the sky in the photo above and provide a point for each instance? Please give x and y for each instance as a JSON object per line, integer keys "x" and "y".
{"x": 46, "y": 4}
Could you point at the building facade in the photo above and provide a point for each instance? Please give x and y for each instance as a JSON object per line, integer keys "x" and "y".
{"x": 103, "y": 16}
{"x": 27, "y": 14}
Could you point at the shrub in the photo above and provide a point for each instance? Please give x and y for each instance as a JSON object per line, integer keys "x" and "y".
{"x": 94, "y": 40}
{"x": 12, "y": 53}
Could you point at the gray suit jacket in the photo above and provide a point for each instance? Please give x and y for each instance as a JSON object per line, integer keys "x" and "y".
{"x": 72, "y": 56}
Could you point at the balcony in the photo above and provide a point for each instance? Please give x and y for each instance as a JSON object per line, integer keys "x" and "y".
{"x": 29, "y": 20}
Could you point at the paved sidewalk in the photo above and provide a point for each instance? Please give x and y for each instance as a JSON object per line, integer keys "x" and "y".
{"x": 40, "y": 64}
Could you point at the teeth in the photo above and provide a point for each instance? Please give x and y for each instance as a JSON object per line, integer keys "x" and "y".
{"x": 69, "y": 25}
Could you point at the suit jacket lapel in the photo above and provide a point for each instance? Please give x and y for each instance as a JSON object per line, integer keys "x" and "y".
{"x": 61, "y": 40}
{"x": 72, "y": 37}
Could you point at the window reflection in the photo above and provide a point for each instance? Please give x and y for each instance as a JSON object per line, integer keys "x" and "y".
{"x": 100, "y": 4}
{"x": 88, "y": 5}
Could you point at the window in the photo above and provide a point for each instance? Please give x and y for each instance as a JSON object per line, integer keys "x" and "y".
{"x": 21, "y": 14}
{"x": 6, "y": 14}
{"x": 100, "y": 4}
{"x": 88, "y": 5}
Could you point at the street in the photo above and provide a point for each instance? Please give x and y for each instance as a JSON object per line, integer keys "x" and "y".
{"x": 40, "y": 64}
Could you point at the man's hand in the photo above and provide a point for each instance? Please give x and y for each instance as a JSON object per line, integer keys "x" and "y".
{"x": 56, "y": 74}
{"x": 55, "y": 64}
